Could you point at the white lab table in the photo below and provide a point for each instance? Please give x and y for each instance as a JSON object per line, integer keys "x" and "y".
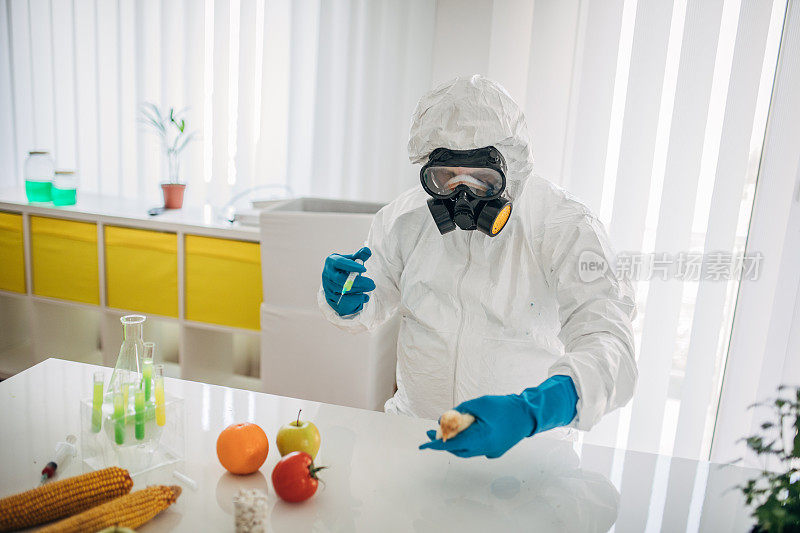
{"x": 377, "y": 479}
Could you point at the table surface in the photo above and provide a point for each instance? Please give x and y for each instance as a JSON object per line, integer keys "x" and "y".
{"x": 377, "y": 479}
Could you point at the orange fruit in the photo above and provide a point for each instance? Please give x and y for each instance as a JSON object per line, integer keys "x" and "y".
{"x": 242, "y": 448}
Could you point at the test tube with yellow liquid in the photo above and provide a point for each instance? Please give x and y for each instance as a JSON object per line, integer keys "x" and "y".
{"x": 161, "y": 410}
{"x": 97, "y": 402}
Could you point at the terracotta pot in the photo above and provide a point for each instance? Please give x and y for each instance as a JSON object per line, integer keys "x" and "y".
{"x": 173, "y": 194}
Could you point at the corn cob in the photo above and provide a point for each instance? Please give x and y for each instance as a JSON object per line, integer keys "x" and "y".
{"x": 63, "y": 498}
{"x": 452, "y": 423}
{"x": 130, "y": 511}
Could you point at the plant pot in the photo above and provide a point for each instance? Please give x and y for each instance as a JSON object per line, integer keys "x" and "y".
{"x": 173, "y": 194}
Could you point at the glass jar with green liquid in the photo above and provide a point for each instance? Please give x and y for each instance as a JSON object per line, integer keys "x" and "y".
{"x": 39, "y": 173}
{"x": 65, "y": 187}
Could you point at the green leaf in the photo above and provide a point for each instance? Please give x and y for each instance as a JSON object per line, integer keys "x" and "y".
{"x": 796, "y": 445}
{"x": 150, "y": 113}
{"x": 186, "y": 141}
{"x": 158, "y": 113}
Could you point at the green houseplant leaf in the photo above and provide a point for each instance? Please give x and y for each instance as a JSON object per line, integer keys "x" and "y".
{"x": 775, "y": 496}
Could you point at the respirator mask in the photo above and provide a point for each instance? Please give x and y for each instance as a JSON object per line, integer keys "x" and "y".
{"x": 466, "y": 188}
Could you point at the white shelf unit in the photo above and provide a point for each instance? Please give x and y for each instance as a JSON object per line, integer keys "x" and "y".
{"x": 34, "y": 328}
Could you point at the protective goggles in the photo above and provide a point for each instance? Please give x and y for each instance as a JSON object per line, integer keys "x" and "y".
{"x": 480, "y": 172}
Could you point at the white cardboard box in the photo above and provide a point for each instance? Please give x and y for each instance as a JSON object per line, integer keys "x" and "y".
{"x": 302, "y": 355}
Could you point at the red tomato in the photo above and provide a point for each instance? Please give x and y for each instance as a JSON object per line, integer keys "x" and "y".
{"x": 295, "y": 477}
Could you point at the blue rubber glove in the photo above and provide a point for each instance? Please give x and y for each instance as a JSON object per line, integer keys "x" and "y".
{"x": 503, "y": 421}
{"x": 334, "y": 274}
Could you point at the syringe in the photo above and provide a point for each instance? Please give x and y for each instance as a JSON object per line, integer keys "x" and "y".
{"x": 348, "y": 283}
{"x": 64, "y": 451}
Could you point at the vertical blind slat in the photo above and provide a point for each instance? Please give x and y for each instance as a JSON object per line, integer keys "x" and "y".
{"x": 86, "y": 95}
{"x": 8, "y": 172}
{"x": 640, "y": 123}
{"x": 152, "y": 166}
{"x": 64, "y": 84}
{"x": 128, "y": 100}
{"x": 402, "y": 18}
{"x": 331, "y": 91}
{"x": 173, "y": 55}
{"x": 108, "y": 103}
{"x": 585, "y": 163}
{"x": 731, "y": 173}
{"x": 382, "y": 59}
{"x": 219, "y": 133}
{"x": 246, "y": 98}
{"x": 303, "y": 80}
{"x": 356, "y": 67}
{"x": 279, "y": 64}
{"x": 173, "y": 20}
{"x": 232, "y": 177}
{"x": 42, "y": 70}
{"x": 416, "y": 79}
{"x": 663, "y": 307}
{"x": 549, "y": 77}
{"x": 19, "y": 32}
{"x": 192, "y": 71}
{"x": 510, "y": 46}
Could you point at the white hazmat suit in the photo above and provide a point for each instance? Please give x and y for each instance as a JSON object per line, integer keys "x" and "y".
{"x": 495, "y": 315}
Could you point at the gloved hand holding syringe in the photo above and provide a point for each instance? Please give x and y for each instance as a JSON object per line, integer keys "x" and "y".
{"x": 344, "y": 282}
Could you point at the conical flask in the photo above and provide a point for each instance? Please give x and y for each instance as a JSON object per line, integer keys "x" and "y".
{"x": 129, "y": 363}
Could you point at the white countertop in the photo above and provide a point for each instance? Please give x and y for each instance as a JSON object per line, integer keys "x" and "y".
{"x": 377, "y": 479}
{"x": 131, "y": 212}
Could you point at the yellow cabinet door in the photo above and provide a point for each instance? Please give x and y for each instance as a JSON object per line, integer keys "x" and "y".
{"x": 142, "y": 270}
{"x": 64, "y": 257}
{"x": 12, "y": 252}
{"x": 223, "y": 281}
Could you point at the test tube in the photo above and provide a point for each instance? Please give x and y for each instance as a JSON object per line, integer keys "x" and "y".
{"x": 119, "y": 415}
{"x": 161, "y": 411}
{"x": 97, "y": 402}
{"x": 126, "y": 387}
{"x": 147, "y": 369}
{"x": 140, "y": 416}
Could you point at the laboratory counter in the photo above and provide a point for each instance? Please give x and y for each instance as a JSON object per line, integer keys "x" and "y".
{"x": 114, "y": 210}
{"x": 377, "y": 479}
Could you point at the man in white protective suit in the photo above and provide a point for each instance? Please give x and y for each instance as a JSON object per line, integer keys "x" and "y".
{"x": 510, "y": 308}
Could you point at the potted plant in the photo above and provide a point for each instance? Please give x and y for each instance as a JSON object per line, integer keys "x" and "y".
{"x": 775, "y": 495}
{"x": 174, "y": 138}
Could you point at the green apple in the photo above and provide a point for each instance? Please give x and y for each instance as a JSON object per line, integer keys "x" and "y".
{"x": 298, "y": 436}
